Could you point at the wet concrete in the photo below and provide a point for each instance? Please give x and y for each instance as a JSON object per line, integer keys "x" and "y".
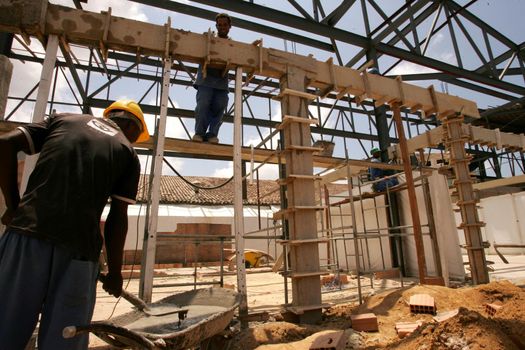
{"x": 170, "y": 323}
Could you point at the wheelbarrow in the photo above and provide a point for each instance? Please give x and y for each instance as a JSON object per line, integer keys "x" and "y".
{"x": 179, "y": 321}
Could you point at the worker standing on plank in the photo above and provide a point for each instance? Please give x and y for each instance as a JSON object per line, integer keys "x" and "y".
{"x": 378, "y": 173}
{"x": 49, "y": 253}
{"x": 212, "y": 92}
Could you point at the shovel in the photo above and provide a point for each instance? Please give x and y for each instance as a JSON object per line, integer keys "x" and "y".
{"x": 152, "y": 309}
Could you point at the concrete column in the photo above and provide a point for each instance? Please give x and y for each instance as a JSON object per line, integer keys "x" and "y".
{"x": 6, "y": 71}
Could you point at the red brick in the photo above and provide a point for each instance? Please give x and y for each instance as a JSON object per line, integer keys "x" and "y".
{"x": 387, "y": 274}
{"x": 364, "y": 322}
{"x": 422, "y": 303}
{"x": 434, "y": 281}
{"x": 491, "y": 309}
{"x": 332, "y": 279}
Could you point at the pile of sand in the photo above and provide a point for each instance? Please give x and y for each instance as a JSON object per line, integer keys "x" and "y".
{"x": 471, "y": 328}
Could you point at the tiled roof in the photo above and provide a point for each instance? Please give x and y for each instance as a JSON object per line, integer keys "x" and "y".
{"x": 174, "y": 190}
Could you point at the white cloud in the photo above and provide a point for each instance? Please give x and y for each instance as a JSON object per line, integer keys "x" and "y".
{"x": 119, "y": 8}
{"x": 225, "y": 172}
{"x": 256, "y": 140}
{"x": 266, "y": 172}
{"x": 277, "y": 112}
{"x": 410, "y": 68}
{"x": 324, "y": 115}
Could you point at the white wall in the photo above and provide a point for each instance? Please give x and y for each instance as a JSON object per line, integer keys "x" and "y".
{"x": 369, "y": 249}
{"x": 170, "y": 216}
{"x": 504, "y": 217}
{"x": 447, "y": 234}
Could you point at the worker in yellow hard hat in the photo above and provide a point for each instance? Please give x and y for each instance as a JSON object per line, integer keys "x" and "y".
{"x": 118, "y": 110}
{"x": 49, "y": 252}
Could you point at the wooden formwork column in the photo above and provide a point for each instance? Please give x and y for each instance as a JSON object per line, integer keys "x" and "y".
{"x": 304, "y": 258}
{"x": 455, "y": 144}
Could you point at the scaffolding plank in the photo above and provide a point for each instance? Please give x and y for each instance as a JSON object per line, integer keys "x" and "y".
{"x": 288, "y": 119}
{"x": 303, "y": 241}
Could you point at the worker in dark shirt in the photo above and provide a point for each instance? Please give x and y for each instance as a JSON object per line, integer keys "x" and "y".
{"x": 377, "y": 173}
{"x": 49, "y": 252}
{"x": 212, "y": 92}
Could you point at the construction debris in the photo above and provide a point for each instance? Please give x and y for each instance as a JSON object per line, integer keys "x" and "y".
{"x": 405, "y": 328}
{"x": 330, "y": 341}
{"x": 364, "y": 322}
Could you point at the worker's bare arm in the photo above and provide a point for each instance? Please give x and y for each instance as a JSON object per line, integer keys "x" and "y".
{"x": 115, "y": 231}
{"x": 10, "y": 144}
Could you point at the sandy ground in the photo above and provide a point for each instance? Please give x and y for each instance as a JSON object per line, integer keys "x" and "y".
{"x": 266, "y": 293}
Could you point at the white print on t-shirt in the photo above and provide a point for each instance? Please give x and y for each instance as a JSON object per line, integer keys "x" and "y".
{"x": 102, "y": 127}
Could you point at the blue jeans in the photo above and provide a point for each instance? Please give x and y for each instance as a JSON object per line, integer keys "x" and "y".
{"x": 211, "y": 105}
{"x": 382, "y": 185}
{"x": 38, "y": 277}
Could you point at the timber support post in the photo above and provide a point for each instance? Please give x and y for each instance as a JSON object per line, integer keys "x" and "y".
{"x": 301, "y": 211}
{"x": 420, "y": 250}
{"x": 455, "y": 140}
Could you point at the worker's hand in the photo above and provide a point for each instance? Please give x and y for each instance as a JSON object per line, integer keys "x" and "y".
{"x": 112, "y": 283}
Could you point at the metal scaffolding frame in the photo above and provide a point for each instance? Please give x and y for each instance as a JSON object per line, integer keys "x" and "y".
{"x": 393, "y": 35}
{"x": 385, "y": 43}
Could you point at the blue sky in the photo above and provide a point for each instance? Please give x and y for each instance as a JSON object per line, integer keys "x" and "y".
{"x": 503, "y": 18}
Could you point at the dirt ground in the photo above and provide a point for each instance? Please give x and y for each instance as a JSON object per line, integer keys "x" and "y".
{"x": 471, "y": 328}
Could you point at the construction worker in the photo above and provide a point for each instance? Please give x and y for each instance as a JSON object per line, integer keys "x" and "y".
{"x": 212, "y": 92}
{"x": 377, "y": 173}
{"x": 49, "y": 252}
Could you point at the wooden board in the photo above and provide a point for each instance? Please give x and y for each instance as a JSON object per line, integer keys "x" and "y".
{"x": 508, "y": 181}
{"x": 475, "y": 134}
{"x": 100, "y": 29}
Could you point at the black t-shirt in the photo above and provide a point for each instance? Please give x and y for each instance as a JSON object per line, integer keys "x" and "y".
{"x": 83, "y": 161}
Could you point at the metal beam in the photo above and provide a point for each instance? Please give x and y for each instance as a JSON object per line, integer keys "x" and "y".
{"x": 272, "y": 15}
{"x": 301, "y": 10}
{"x": 334, "y": 16}
{"x": 237, "y": 22}
{"x": 483, "y": 25}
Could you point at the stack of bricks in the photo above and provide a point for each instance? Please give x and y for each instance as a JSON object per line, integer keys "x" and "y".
{"x": 364, "y": 322}
{"x": 434, "y": 281}
{"x": 333, "y": 279}
{"x": 405, "y": 328}
{"x": 387, "y": 274}
{"x": 330, "y": 341}
{"x": 422, "y": 303}
{"x": 491, "y": 309}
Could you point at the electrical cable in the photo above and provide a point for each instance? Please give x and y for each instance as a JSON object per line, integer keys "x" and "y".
{"x": 192, "y": 184}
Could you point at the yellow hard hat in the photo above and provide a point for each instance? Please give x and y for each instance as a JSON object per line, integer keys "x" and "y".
{"x": 133, "y": 108}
